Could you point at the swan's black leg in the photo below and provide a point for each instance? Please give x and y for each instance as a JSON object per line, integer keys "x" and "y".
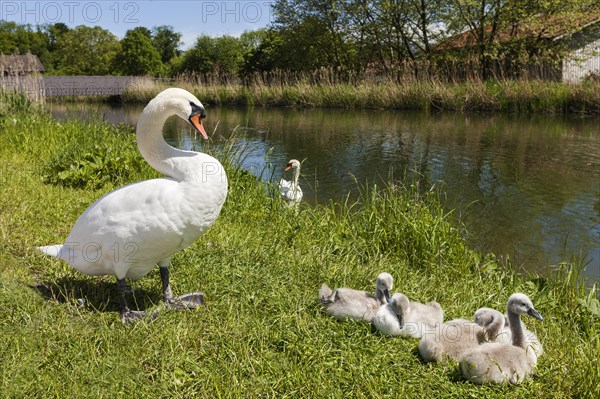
{"x": 166, "y": 286}
{"x": 127, "y": 315}
{"x": 187, "y": 301}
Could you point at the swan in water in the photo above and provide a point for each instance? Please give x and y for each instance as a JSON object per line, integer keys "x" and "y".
{"x": 130, "y": 230}
{"x": 451, "y": 339}
{"x": 407, "y": 318}
{"x": 344, "y": 303}
{"x": 291, "y": 190}
{"x": 501, "y": 363}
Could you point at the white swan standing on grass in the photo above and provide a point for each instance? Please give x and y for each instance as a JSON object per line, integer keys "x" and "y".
{"x": 407, "y": 318}
{"x": 130, "y": 230}
{"x": 501, "y": 363}
{"x": 291, "y": 190}
{"x": 344, "y": 303}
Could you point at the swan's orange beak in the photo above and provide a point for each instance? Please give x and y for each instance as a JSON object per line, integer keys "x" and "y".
{"x": 287, "y": 167}
{"x": 196, "y": 121}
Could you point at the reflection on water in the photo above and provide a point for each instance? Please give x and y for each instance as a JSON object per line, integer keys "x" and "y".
{"x": 526, "y": 187}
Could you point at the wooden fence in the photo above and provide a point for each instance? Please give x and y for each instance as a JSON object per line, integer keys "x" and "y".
{"x": 39, "y": 87}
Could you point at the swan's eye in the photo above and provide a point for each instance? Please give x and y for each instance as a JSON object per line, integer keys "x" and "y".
{"x": 198, "y": 110}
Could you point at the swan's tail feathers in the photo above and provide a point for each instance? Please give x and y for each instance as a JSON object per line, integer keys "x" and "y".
{"x": 326, "y": 295}
{"x": 52, "y": 250}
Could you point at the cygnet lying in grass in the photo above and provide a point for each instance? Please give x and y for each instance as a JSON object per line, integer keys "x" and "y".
{"x": 504, "y": 363}
{"x": 452, "y": 338}
{"x": 344, "y": 303}
{"x": 407, "y": 318}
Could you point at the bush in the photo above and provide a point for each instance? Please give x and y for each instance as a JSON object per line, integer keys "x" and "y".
{"x": 112, "y": 157}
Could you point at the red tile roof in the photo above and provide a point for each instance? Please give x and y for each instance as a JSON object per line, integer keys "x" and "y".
{"x": 540, "y": 26}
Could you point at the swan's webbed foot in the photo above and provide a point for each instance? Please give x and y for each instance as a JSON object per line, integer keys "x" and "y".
{"x": 127, "y": 315}
{"x": 132, "y": 316}
{"x": 187, "y": 301}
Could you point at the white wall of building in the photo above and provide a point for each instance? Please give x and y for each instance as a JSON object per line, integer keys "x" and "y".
{"x": 581, "y": 63}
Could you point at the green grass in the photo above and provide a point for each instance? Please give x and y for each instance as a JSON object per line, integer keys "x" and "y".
{"x": 505, "y": 96}
{"x": 262, "y": 332}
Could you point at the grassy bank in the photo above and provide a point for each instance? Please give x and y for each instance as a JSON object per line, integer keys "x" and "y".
{"x": 262, "y": 332}
{"x": 505, "y": 96}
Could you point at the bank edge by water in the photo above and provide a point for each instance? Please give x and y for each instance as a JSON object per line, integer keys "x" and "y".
{"x": 494, "y": 96}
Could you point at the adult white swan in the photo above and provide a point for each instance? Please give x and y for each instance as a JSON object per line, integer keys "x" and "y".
{"x": 291, "y": 190}
{"x": 130, "y": 230}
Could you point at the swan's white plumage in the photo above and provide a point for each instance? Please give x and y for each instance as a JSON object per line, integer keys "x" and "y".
{"x": 290, "y": 190}
{"x": 130, "y": 230}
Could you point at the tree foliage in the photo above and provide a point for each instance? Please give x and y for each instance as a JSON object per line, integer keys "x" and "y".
{"x": 349, "y": 37}
{"x": 167, "y": 42}
{"x": 87, "y": 51}
{"x": 138, "y": 56}
{"x": 222, "y": 55}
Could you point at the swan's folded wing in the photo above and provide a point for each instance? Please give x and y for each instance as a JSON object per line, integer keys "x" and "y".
{"x": 284, "y": 186}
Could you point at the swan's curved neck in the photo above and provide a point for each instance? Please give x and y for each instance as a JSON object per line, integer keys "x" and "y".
{"x": 296, "y": 175}
{"x": 151, "y": 143}
{"x": 518, "y": 336}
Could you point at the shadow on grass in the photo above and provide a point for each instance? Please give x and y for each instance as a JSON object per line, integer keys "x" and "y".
{"x": 99, "y": 295}
{"x": 455, "y": 375}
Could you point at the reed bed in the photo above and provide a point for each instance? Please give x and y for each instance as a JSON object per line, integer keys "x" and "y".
{"x": 262, "y": 332}
{"x": 525, "y": 96}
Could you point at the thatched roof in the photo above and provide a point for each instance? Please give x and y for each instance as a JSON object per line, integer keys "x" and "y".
{"x": 20, "y": 64}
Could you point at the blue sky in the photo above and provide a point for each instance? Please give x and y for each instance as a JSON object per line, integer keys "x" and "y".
{"x": 191, "y": 17}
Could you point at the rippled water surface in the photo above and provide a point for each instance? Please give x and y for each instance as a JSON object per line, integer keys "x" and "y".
{"x": 526, "y": 187}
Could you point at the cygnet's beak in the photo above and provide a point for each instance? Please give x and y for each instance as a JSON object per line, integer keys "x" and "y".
{"x": 387, "y": 295}
{"x": 534, "y": 313}
{"x": 196, "y": 121}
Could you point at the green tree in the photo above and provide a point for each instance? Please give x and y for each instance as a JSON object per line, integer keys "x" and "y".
{"x": 483, "y": 19}
{"x": 261, "y": 51}
{"x": 395, "y": 31}
{"x": 315, "y": 33}
{"x": 167, "y": 42}
{"x": 55, "y": 32}
{"x": 87, "y": 51}
{"x": 22, "y": 39}
{"x": 198, "y": 58}
{"x": 222, "y": 56}
{"x": 137, "y": 56}
{"x": 141, "y": 30}
{"x": 228, "y": 56}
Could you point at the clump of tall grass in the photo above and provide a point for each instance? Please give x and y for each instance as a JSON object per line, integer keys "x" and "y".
{"x": 106, "y": 154}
